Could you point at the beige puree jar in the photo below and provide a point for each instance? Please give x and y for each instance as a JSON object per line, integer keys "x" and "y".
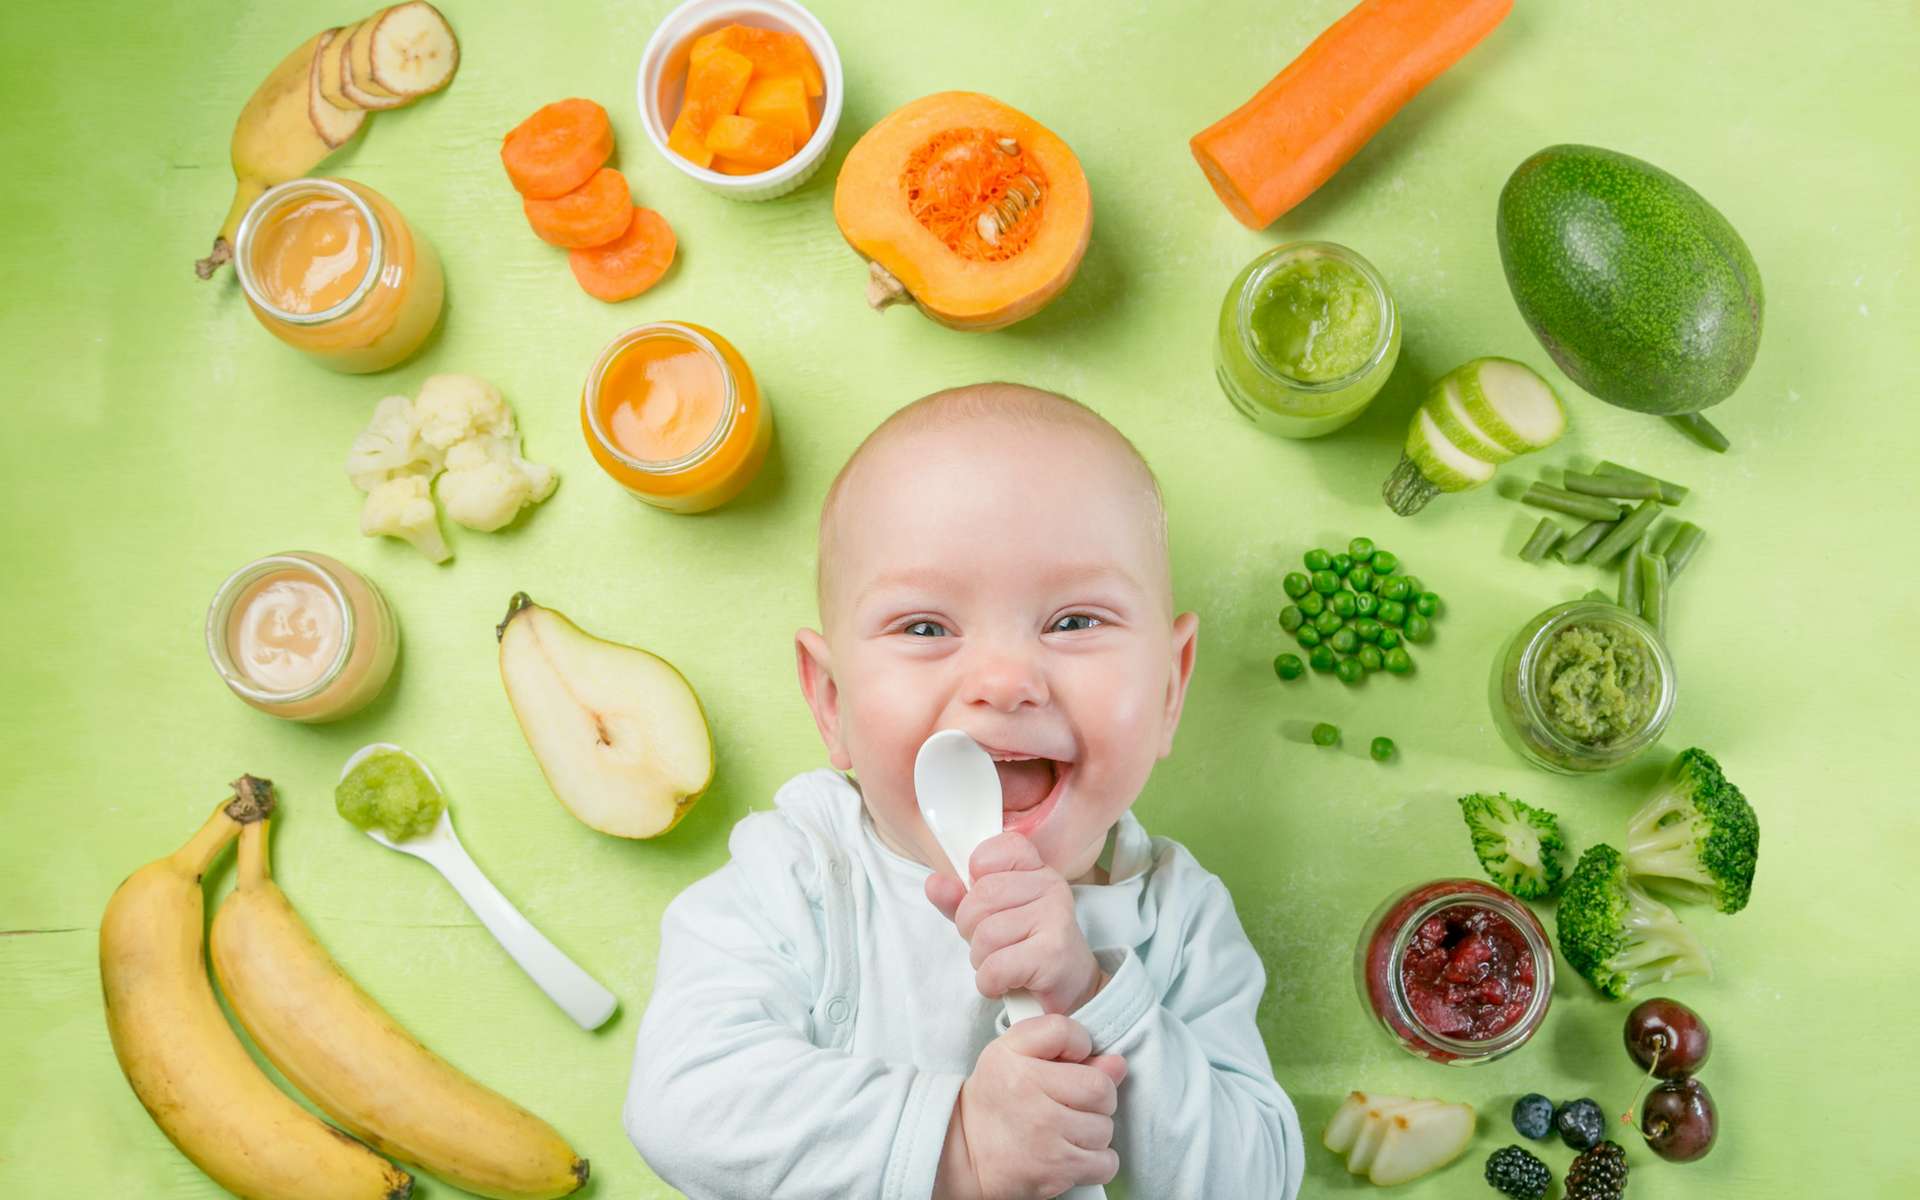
{"x": 302, "y": 636}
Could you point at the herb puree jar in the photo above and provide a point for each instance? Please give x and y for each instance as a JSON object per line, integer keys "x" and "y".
{"x": 1583, "y": 687}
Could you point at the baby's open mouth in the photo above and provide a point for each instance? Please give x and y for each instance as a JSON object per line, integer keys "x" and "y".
{"x": 1028, "y": 786}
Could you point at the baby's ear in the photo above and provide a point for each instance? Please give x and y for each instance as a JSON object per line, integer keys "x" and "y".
{"x": 1186, "y": 644}
{"x": 815, "y": 662}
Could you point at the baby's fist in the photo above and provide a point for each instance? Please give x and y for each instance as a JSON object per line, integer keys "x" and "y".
{"x": 1019, "y": 925}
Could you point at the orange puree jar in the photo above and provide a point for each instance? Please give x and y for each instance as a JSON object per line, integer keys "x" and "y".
{"x": 671, "y": 411}
{"x": 331, "y": 268}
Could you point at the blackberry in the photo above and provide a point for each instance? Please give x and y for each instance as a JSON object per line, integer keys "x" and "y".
{"x": 1533, "y": 1116}
{"x": 1514, "y": 1172}
{"x": 1598, "y": 1174}
{"x": 1581, "y": 1124}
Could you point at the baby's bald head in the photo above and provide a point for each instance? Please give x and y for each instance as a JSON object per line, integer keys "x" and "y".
{"x": 874, "y": 476}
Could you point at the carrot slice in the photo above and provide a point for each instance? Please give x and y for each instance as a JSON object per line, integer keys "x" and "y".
{"x": 630, "y": 263}
{"x": 592, "y": 214}
{"x": 558, "y": 148}
{"x": 715, "y": 83}
{"x": 754, "y": 143}
{"x": 1273, "y": 151}
{"x": 773, "y": 52}
{"x": 780, "y": 100}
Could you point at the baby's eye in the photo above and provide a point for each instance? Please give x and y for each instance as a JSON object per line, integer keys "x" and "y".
{"x": 926, "y": 629}
{"x": 1073, "y": 622}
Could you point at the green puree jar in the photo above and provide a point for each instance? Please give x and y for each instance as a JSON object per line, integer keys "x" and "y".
{"x": 1583, "y": 687}
{"x": 1308, "y": 334}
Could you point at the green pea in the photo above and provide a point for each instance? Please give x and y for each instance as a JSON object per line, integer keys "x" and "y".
{"x": 1288, "y": 666}
{"x": 1326, "y": 735}
{"x": 1318, "y": 560}
{"x": 1342, "y": 563}
{"x": 1343, "y": 603}
{"x": 1398, "y": 661}
{"x": 1366, "y": 604}
{"x": 1361, "y": 548}
{"x": 1370, "y": 658}
{"x": 1381, "y": 749}
{"x": 1393, "y": 612}
{"x": 1307, "y": 636}
{"x": 1389, "y": 638}
{"x": 1344, "y": 641}
{"x": 1326, "y": 582}
{"x": 1295, "y": 584}
{"x": 1321, "y": 658}
{"x": 1350, "y": 671}
{"x": 1291, "y": 618}
{"x": 1426, "y": 604}
{"x": 1327, "y": 621}
{"x": 1385, "y": 562}
{"x": 1394, "y": 589}
{"x": 1414, "y": 586}
{"x": 1368, "y": 629}
{"x": 1416, "y": 628}
{"x": 1360, "y": 579}
{"x": 1313, "y": 603}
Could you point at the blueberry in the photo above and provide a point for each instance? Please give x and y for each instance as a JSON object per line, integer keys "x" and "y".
{"x": 1533, "y": 1116}
{"x": 1581, "y": 1124}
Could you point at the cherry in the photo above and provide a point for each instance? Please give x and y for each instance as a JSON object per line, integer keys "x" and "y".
{"x": 1679, "y": 1121}
{"x": 1667, "y": 1038}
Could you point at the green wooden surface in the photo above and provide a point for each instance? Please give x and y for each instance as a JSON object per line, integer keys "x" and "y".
{"x": 159, "y": 438}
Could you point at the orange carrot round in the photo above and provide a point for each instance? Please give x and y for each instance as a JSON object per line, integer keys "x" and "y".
{"x": 558, "y": 148}
{"x": 592, "y": 214}
{"x": 630, "y": 263}
{"x": 1272, "y": 152}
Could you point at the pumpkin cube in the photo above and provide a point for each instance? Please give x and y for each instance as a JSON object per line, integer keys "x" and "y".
{"x": 780, "y": 100}
{"x": 752, "y": 143}
{"x": 715, "y": 83}
{"x": 772, "y": 51}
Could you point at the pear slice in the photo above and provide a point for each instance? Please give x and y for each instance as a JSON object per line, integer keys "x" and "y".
{"x": 329, "y": 60}
{"x": 1421, "y": 1140}
{"x": 410, "y": 51}
{"x": 618, "y": 732}
{"x": 335, "y": 127}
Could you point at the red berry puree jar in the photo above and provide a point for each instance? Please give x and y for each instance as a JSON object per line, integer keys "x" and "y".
{"x": 1456, "y": 971}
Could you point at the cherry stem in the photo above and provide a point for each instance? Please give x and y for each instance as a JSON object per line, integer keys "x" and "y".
{"x": 1659, "y": 1045}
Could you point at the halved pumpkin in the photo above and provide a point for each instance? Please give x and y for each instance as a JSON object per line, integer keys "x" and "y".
{"x": 970, "y": 209}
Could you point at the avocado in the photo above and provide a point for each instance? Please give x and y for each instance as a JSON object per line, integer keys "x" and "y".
{"x": 1635, "y": 285}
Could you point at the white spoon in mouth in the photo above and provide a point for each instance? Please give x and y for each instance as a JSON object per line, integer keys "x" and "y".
{"x": 959, "y": 795}
{"x": 565, "y": 982}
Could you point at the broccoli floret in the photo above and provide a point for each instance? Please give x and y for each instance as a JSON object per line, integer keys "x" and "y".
{"x": 1519, "y": 846}
{"x": 1697, "y": 837}
{"x": 1616, "y": 935}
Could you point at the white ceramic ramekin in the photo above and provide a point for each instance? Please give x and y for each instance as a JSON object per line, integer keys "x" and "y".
{"x": 663, "y": 78}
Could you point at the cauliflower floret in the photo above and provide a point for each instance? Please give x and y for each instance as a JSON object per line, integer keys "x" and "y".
{"x": 487, "y": 483}
{"x": 453, "y": 408}
{"x": 390, "y": 445}
{"x": 402, "y": 507}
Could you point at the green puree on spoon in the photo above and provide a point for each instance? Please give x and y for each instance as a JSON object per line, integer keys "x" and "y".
{"x": 388, "y": 791}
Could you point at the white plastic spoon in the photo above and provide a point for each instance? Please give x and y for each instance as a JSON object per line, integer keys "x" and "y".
{"x": 959, "y": 795}
{"x": 578, "y": 994}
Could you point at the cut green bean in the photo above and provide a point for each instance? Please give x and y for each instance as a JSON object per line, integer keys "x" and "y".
{"x": 1615, "y": 487}
{"x": 1653, "y": 592}
{"x": 1685, "y": 544}
{"x": 1626, "y": 533}
{"x": 1664, "y": 538}
{"x": 1560, "y": 500}
{"x": 1670, "y": 492}
{"x": 1702, "y": 430}
{"x": 1546, "y": 535}
{"x": 1630, "y": 574}
{"x": 1576, "y": 548}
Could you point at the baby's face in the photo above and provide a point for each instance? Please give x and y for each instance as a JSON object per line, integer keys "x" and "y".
{"x": 1008, "y": 581}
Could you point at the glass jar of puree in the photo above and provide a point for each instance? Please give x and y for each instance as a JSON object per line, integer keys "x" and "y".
{"x": 331, "y": 268}
{"x": 1308, "y": 335}
{"x": 671, "y": 411}
{"x": 1583, "y": 687}
{"x": 302, "y": 636}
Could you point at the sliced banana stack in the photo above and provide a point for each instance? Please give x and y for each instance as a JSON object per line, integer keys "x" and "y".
{"x": 318, "y": 97}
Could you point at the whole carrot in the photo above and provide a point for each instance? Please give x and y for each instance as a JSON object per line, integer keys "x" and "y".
{"x": 1272, "y": 152}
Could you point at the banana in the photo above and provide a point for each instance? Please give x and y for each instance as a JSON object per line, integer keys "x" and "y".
{"x": 273, "y": 141}
{"x": 183, "y": 1059}
{"x": 336, "y": 1044}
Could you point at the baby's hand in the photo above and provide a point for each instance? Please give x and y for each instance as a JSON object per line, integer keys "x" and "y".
{"x": 1018, "y": 922}
{"x": 1035, "y": 1118}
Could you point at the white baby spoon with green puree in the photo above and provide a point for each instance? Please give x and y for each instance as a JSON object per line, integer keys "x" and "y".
{"x": 578, "y": 994}
{"x": 959, "y": 794}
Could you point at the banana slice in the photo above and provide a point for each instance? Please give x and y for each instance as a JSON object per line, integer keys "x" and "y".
{"x": 330, "y": 60}
{"x": 411, "y": 51}
{"x": 356, "y": 69}
{"x": 334, "y": 125}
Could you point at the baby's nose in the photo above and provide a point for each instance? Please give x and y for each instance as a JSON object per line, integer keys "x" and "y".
{"x": 1005, "y": 680}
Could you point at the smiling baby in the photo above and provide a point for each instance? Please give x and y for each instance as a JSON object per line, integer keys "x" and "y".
{"x": 826, "y": 1013}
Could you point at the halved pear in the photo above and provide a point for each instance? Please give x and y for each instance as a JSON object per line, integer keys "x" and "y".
{"x": 617, "y": 731}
